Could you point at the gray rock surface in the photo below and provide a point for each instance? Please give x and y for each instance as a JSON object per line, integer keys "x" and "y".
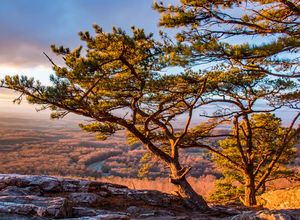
{"x": 54, "y": 197}
{"x": 55, "y": 207}
{"x": 24, "y": 197}
{"x": 269, "y": 215}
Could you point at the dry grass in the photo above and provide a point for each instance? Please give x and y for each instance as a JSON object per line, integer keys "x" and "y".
{"x": 281, "y": 199}
{"x": 203, "y": 185}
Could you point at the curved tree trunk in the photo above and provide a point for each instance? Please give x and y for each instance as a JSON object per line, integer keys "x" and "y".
{"x": 250, "y": 195}
{"x": 184, "y": 189}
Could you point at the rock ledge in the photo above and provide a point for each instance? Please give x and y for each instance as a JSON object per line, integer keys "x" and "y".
{"x": 24, "y": 197}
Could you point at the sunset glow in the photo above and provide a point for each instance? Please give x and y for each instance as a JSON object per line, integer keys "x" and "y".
{"x": 191, "y": 107}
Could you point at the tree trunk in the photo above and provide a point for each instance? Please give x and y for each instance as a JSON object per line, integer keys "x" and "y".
{"x": 185, "y": 191}
{"x": 250, "y": 197}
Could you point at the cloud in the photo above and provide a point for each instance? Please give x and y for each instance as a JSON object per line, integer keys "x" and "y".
{"x": 40, "y": 72}
{"x": 29, "y": 27}
{"x": 20, "y": 53}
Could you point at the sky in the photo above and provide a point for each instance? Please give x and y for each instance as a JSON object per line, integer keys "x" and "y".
{"x": 29, "y": 27}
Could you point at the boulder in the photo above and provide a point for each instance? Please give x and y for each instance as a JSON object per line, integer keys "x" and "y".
{"x": 268, "y": 215}
{"x": 49, "y": 184}
{"x": 105, "y": 217}
{"x": 56, "y": 197}
{"x": 86, "y": 199}
{"x": 45, "y": 183}
{"x": 55, "y": 207}
{"x": 17, "y": 191}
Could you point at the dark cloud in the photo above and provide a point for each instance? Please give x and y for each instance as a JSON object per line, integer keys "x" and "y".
{"x": 28, "y": 27}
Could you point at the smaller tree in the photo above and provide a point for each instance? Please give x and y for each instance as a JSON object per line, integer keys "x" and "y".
{"x": 257, "y": 145}
{"x": 272, "y": 147}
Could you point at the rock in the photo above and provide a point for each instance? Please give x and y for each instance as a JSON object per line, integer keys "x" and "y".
{"x": 225, "y": 210}
{"x": 37, "y": 206}
{"x": 85, "y": 199}
{"x": 115, "y": 194}
{"x": 134, "y": 210}
{"x": 273, "y": 216}
{"x": 155, "y": 198}
{"x": 268, "y": 215}
{"x": 17, "y": 191}
{"x": 104, "y": 217}
{"x": 56, "y": 197}
{"x": 24, "y": 197}
{"x": 55, "y": 184}
{"x": 249, "y": 215}
{"x": 19, "y": 217}
{"x": 146, "y": 215}
{"x": 83, "y": 211}
{"x": 164, "y": 213}
{"x": 45, "y": 183}
{"x": 148, "y": 212}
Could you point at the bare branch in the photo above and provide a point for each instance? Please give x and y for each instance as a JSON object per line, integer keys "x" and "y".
{"x": 51, "y": 61}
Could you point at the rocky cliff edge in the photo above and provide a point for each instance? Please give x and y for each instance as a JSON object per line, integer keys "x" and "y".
{"x": 24, "y": 197}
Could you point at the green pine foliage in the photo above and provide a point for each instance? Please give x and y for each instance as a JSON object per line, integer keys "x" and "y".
{"x": 116, "y": 80}
{"x": 249, "y": 51}
{"x": 226, "y": 191}
{"x": 257, "y": 35}
{"x": 268, "y": 138}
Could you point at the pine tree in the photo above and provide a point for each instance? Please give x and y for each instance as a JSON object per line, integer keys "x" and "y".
{"x": 252, "y": 152}
{"x": 243, "y": 42}
{"x": 273, "y": 147}
{"x": 118, "y": 84}
{"x": 255, "y": 35}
